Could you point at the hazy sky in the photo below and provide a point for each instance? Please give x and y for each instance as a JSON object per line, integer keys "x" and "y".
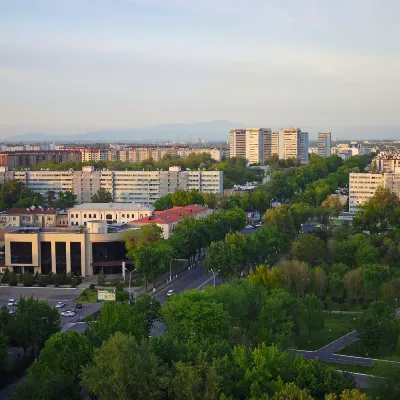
{"x": 73, "y": 65}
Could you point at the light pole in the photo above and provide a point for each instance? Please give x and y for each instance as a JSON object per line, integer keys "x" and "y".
{"x": 213, "y": 275}
{"x": 130, "y": 279}
{"x": 396, "y": 303}
{"x": 170, "y": 270}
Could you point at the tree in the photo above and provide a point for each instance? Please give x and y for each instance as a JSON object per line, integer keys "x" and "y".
{"x": 3, "y": 352}
{"x": 64, "y": 353}
{"x": 320, "y": 280}
{"x": 147, "y": 234}
{"x": 389, "y": 387}
{"x": 310, "y": 249}
{"x": 102, "y": 196}
{"x": 12, "y": 280}
{"x": 349, "y": 394}
{"x": 333, "y": 204}
{"x": 354, "y": 282}
{"x": 134, "y": 370}
{"x": 189, "y": 317}
{"x": 149, "y": 307}
{"x": 296, "y": 276}
{"x": 121, "y": 317}
{"x": 65, "y": 200}
{"x": 27, "y": 279}
{"x": 280, "y": 218}
{"x": 50, "y": 197}
{"x": 163, "y": 203}
{"x": 33, "y": 323}
{"x": 152, "y": 259}
{"x": 312, "y": 313}
{"x": 261, "y": 200}
{"x": 270, "y": 278}
{"x": 292, "y": 392}
{"x": 375, "y": 324}
{"x": 6, "y": 276}
{"x": 374, "y": 276}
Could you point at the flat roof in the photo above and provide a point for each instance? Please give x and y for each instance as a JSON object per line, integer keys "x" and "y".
{"x": 111, "y": 207}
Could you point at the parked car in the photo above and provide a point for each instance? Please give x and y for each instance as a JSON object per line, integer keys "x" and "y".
{"x": 16, "y": 303}
{"x": 249, "y": 226}
{"x": 11, "y": 312}
{"x": 170, "y": 292}
{"x": 60, "y": 304}
{"x": 78, "y": 306}
{"x": 80, "y": 320}
{"x": 11, "y": 303}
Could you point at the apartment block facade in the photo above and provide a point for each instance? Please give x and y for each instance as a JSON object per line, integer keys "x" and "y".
{"x": 364, "y": 185}
{"x": 237, "y": 143}
{"x": 29, "y": 158}
{"x": 143, "y": 187}
{"x": 386, "y": 161}
{"x": 324, "y": 144}
{"x": 293, "y": 143}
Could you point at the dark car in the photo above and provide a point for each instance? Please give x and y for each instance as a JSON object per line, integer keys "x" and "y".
{"x": 78, "y": 306}
{"x": 80, "y": 320}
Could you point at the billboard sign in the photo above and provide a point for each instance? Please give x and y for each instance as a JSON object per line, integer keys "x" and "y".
{"x": 106, "y": 295}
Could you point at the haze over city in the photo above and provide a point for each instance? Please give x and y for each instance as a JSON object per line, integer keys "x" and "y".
{"x": 70, "y": 67}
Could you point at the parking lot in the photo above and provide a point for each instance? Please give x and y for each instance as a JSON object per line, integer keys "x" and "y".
{"x": 52, "y": 296}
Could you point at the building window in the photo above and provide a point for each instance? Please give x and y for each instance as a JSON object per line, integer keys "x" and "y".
{"x": 76, "y": 215}
{"x": 84, "y": 215}
{"x": 123, "y": 215}
{"x": 90, "y": 215}
{"x": 94, "y": 215}
{"x": 108, "y": 216}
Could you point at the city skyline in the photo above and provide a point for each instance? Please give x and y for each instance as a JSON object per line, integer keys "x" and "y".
{"x": 74, "y": 67}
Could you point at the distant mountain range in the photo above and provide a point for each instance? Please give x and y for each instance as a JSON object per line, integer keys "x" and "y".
{"x": 209, "y": 131}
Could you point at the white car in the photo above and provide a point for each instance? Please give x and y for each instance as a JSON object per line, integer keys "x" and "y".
{"x": 60, "y": 304}
{"x": 68, "y": 313}
{"x": 11, "y": 300}
{"x": 170, "y": 292}
{"x": 11, "y": 312}
{"x": 11, "y": 303}
{"x": 249, "y": 226}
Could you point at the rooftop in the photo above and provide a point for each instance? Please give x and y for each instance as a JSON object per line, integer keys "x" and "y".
{"x": 30, "y": 211}
{"x": 112, "y": 206}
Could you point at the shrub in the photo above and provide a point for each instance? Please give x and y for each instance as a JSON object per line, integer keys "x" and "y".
{"x": 27, "y": 279}
{"x": 6, "y": 276}
{"x": 12, "y": 280}
{"x": 56, "y": 280}
{"x": 343, "y": 307}
{"x": 361, "y": 301}
{"x": 101, "y": 280}
{"x": 50, "y": 278}
{"x": 36, "y": 277}
{"x": 42, "y": 280}
{"x": 91, "y": 286}
{"x": 121, "y": 295}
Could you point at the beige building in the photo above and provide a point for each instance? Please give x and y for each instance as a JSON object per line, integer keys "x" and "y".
{"x": 98, "y": 248}
{"x": 324, "y": 144}
{"x": 386, "y": 161}
{"x": 237, "y": 143}
{"x": 258, "y": 142}
{"x": 293, "y": 143}
{"x": 111, "y": 213}
{"x": 363, "y": 186}
{"x": 29, "y": 217}
{"x": 125, "y": 186}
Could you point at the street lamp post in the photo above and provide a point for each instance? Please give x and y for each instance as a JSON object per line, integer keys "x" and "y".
{"x": 396, "y": 303}
{"x": 130, "y": 279}
{"x": 213, "y": 275}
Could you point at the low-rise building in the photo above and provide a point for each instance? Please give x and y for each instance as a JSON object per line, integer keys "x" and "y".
{"x": 111, "y": 213}
{"x": 29, "y": 217}
{"x": 167, "y": 219}
{"x": 98, "y": 248}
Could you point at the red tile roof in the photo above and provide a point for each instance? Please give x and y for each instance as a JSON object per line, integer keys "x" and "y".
{"x": 171, "y": 216}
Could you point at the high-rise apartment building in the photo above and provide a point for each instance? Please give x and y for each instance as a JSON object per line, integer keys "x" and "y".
{"x": 324, "y": 144}
{"x": 258, "y": 142}
{"x": 237, "y": 143}
{"x": 293, "y": 143}
{"x": 143, "y": 187}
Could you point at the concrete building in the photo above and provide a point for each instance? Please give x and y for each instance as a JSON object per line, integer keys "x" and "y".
{"x": 237, "y": 143}
{"x": 258, "y": 141}
{"x": 97, "y": 248}
{"x": 111, "y": 213}
{"x": 30, "y": 158}
{"x": 386, "y": 161}
{"x": 293, "y": 143}
{"x": 350, "y": 150}
{"x": 363, "y": 186}
{"x": 324, "y": 144}
{"x": 167, "y": 219}
{"x": 143, "y": 187}
{"x": 29, "y": 217}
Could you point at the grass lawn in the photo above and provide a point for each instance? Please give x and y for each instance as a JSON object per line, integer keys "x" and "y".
{"x": 87, "y": 296}
{"x": 336, "y": 326}
{"x": 350, "y": 368}
{"x": 358, "y": 350}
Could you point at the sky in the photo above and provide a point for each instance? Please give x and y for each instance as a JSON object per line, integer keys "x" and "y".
{"x": 70, "y": 66}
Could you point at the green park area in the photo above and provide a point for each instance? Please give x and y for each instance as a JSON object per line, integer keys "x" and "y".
{"x": 87, "y": 296}
{"x": 335, "y": 326}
